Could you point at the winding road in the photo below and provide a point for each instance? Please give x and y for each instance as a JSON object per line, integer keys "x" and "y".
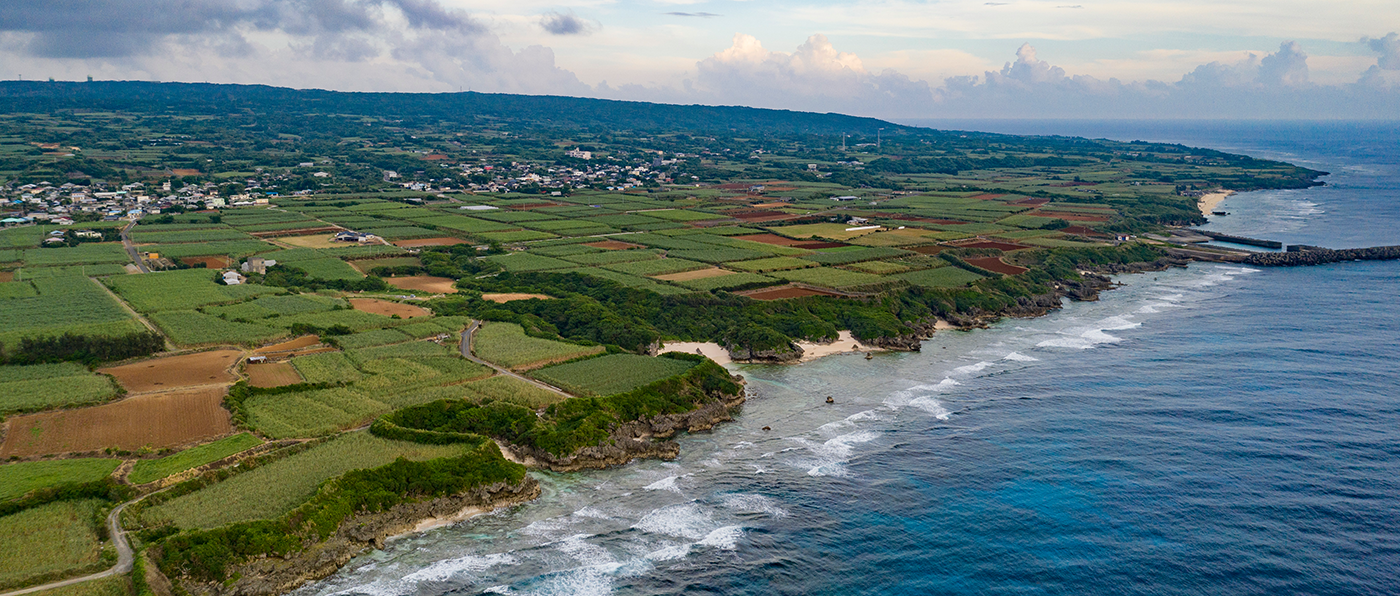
{"x": 125, "y": 558}
{"x": 466, "y": 348}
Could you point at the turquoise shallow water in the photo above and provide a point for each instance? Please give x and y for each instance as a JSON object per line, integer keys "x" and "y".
{"x": 1213, "y": 430}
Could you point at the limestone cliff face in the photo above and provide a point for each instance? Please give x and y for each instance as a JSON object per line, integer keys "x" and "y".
{"x": 633, "y": 440}
{"x": 275, "y": 575}
{"x": 793, "y": 353}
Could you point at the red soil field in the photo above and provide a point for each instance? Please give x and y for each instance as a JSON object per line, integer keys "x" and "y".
{"x": 209, "y": 262}
{"x": 272, "y": 374}
{"x": 1083, "y": 231}
{"x": 156, "y": 420}
{"x": 988, "y": 196}
{"x": 185, "y": 172}
{"x": 996, "y": 264}
{"x": 424, "y": 283}
{"x": 388, "y": 308}
{"x": 928, "y": 250}
{"x": 7, "y": 275}
{"x": 784, "y": 292}
{"x": 612, "y": 245}
{"x": 288, "y": 346}
{"x": 441, "y": 241}
{"x": 503, "y": 298}
{"x": 185, "y": 370}
{"x": 1006, "y": 246}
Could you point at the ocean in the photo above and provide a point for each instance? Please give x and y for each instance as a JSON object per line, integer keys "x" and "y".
{"x": 1208, "y": 430}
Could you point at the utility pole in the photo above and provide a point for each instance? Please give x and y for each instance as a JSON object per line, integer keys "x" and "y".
{"x": 877, "y": 137}
{"x": 843, "y": 141}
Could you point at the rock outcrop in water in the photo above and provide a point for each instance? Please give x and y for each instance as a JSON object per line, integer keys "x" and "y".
{"x": 793, "y": 353}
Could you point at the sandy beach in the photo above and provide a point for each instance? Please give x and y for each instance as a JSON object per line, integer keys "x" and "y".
{"x": 845, "y": 343}
{"x": 1209, "y": 202}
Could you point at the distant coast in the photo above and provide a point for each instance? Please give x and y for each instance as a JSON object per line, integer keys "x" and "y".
{"x": 1210, "y": 201}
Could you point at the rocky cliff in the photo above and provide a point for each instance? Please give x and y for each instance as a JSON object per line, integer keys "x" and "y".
{"x": 633, "y": 440}
{"x": 1322, "y": 256}
{"x": 276, "y": 575}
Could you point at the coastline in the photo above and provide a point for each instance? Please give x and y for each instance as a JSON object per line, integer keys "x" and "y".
{"x": 845, "y": 343}
{"x": 1208, "y": 202}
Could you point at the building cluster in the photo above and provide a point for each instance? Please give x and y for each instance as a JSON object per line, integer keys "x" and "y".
{"x": 68, "y": 203}
{"x": 610, "y": 173}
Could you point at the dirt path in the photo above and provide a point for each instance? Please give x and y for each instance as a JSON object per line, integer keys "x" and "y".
{"x": 125, "y": 557}
{"x": 466, "y": 348}
{"x": 131, "y": 311}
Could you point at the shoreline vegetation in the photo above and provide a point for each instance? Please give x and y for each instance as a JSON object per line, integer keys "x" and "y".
{"x": 519, "y": 292}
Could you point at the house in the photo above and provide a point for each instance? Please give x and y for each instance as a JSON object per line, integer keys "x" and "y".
{"x": 257, "y": 359}
{"x": 88, "y": 234}
{"x": 54, "y": 241}
{"x": 855, "y": 221}
{"x": 232, "y": 278}
{"x": 151, "y": 256}
{"x": 845, "y": 198}
{"x": 576, "y": 154}
{"x": 257, "y": 265}
{"x": 348, "y": 236}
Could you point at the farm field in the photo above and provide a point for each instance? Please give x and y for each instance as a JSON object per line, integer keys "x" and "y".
{"x": 830, "y": 277}
{"x": 507, "y": 345}
{"x": 17, "y": 479}
{"x": 330, "y": 367}
{"x": 389, "y": 308}
{"x": 51, "y": 541}
{"x": 40, "y": 386}
{"x": 278, "y": 487}
{"x": 193, "y": 328}
{"x": 608, "y": 375}
{"x": 310, "y": 241}
{"x": 424, "y": 283}
{"x": 58, "y": 305}
{"x": 150, "y": 470}
{"x": 170, "y": 372}
{"x": 155, "y": 421}
{"x": 510, "y": 389}
{"x": 272, "y": 374}
{"x": 180, "y": 290}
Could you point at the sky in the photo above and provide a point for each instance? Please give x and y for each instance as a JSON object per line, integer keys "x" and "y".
{"x": 902, "y": 59}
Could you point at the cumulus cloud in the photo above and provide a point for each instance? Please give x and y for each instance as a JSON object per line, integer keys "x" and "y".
{"x": 1389, "y": 49}
{"x": 557, "y": 23}
{"x": 816, "y": 76}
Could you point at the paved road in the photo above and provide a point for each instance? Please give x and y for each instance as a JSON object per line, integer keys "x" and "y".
{"x": 466, "y": 348}
{"x": 125, "y": 557}
{"x": 131, "y": 250}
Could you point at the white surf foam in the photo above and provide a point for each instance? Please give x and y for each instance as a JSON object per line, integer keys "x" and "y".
{"x": 723, "y": 538}
{"x": 445, "y": 570}
{"x": 1019, "y": 357}
{"x": 747, "y": 503}
{"x": 972, "y": 368}
{"x": 667, "y": 483}
{"x": 683, "y": 521}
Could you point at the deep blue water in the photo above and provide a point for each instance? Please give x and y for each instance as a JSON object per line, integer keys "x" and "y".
{"x": 1212, "y": 430}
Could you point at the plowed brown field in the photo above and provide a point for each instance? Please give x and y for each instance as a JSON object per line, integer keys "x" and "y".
{"x": 424, "y": 283}
{"x": 697, "y": 274}
{"x": 388, "y": 308}
{"x": 170, "y": 372}
{"x": 510, "y": 297}
{"x": 272, "y": 374}
{"x": 156, "y": 421}
{"x": 996, "y": 264}
{"x": 209, "y": 262}
{"x": 784, "y": 292}
{"x": 287, "y": 346}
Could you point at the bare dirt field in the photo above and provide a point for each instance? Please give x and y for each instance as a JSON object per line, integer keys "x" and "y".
{"x": 509, "y": 297}
{"x": 170, "y": 372}
{"x": 313, "y": 241}
{"x": 996, "y": 264}
{"x": 209, "y": 262}
{"x": 612, "y": 245}
{"x": 389, "y": 308}
{"x": 156, "y": 421}
{"x": 697, "y": 274}
{"x": 424, "y": 283}
{"x": 7, "y": 275}
{"x": 272, "y": 374}
{"x": 784, "y": 292}
{"x": 290, "y": 345}
{"x": 1006, "y": 246}
{"x": 442, "y": 241}
{"x": 759, "y": 216}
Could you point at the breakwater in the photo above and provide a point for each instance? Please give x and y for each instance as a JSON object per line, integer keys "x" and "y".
{"x": 1321, "y": 256}
{"x": 1241, "y": 239}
